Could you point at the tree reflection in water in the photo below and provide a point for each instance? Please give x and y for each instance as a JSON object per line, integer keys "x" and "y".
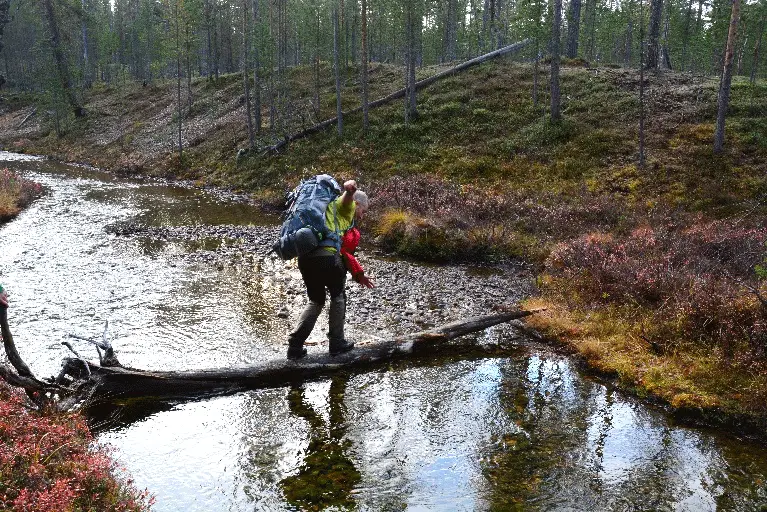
{"x": 327, "y": 475}
{"x": 572, "y": 444}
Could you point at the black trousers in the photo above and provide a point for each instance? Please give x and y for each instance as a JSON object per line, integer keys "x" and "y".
{"x": 322, "y": 273}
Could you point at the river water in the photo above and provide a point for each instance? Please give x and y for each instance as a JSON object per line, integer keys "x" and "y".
{"x": 524, "y": 431}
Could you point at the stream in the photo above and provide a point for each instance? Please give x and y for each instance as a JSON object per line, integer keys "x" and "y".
{"x": 184, "y": 279}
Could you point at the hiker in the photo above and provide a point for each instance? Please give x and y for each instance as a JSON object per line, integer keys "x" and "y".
{"x": 325, "y": 269}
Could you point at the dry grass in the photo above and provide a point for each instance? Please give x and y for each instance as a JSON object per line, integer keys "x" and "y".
{"x": 689, "y": 377}
{"x": 15, "y": 193}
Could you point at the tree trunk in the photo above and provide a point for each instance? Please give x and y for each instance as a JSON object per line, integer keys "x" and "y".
{"x": 592, "y": 29}
{"x": 686, "y": 36}
{"x": 5, "y": 7}
{"x": 757, "y": 47}
{"x": 627, "y": 53}
{"x": 451, "y": 30}
{"x": 641, "y": 85}
{"x": 724, "y": 86}
{"x": 246, "y": 72}
{"x": 257, "y": 67}
{"x": 573, "y": 28}
{"x": 741, "y": 52}
{"x": 115, "y": 382}
{"x": 208, "y": 22}
{"x": 364, "y": 68}
{"x": 61, "y": 59}
{"x": 556, "y": 114}
{"x": 188, "y": 60}
{"x": 80, "y": 379}
{"x": 272, "y": 62}
{"x": 216, "y": 42}
{"x": 341, "y": 31}
{"x": 353, "y": 40}
{"x": 18, "y": 373}
{"x": 535, "y": 74}
{"x": 178, "y": 84}
{"x": 699, "y": 17}
{"x": 337, "y": 65}
{"x": 317, "y": 100}
{"x": 413, "y": 22}
{"x": 84, "y": 30}
{"x": 653, "y": 48}
{"x": 664, "y": 51}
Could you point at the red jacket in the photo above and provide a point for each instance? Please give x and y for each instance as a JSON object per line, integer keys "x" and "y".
{"x": 349, "y": 243}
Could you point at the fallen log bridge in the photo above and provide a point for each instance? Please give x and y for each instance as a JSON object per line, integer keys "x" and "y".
{"x": 81, "y": 381}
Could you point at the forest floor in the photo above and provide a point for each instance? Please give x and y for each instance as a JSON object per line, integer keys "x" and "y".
{"x": 654, "y": 275}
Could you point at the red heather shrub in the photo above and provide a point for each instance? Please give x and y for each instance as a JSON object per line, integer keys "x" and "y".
{"x": 701, "y": 276}
{"x": 545, "y": 216}
{"x": 24, "y": 190}
{"x": 47, "y": 464}
{"x": 422, "y": 194}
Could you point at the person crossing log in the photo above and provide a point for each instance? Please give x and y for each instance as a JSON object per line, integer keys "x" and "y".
{"x": 98, "y": 383}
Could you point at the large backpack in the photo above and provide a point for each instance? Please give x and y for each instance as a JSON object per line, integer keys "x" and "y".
{"x": 304, "y": 227}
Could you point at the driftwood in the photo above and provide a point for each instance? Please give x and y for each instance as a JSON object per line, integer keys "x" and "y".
{"x": 398, "y": 94}
{"x": 34, "y": 111}
{"x": 18, "y": 373}
{"x": 81, "y": 381}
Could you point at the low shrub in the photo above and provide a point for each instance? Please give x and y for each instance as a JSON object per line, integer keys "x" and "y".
{"x": 416, "y": 237}
{"x": 698, "y": 277}
{"x": 48, "y": 464}
{"x": 483, "y": 222}
{"x": 16, "y": 193}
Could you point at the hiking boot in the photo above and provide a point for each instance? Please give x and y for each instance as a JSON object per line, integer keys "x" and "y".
{"x": 296, "y": 353}
{"x": 340, "y": 347}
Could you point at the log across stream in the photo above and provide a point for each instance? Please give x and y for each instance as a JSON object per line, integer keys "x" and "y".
{"x": 81, "y": 380}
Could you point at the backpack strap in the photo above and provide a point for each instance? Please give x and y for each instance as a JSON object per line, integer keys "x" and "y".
{"x": 333, "y": 238}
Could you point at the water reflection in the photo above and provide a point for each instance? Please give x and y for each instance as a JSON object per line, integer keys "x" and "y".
{"x": 326, "y": 476}
{"x": 576, "y": 445}
{"x": 522, "y": 433}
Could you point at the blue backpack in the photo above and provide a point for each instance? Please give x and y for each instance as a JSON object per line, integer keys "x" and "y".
{"x": 304, "y": 227}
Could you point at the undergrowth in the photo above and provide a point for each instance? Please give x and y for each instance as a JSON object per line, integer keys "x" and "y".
{"x": 48, "y": 464}
{"x": 16, "y": 193}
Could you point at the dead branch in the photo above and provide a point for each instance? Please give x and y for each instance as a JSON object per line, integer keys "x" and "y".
{"x": 34, "y": 111}
{"x": 398, "y": 94}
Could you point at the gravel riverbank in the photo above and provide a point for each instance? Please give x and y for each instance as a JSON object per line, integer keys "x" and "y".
{"x": 409, "y": 296}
